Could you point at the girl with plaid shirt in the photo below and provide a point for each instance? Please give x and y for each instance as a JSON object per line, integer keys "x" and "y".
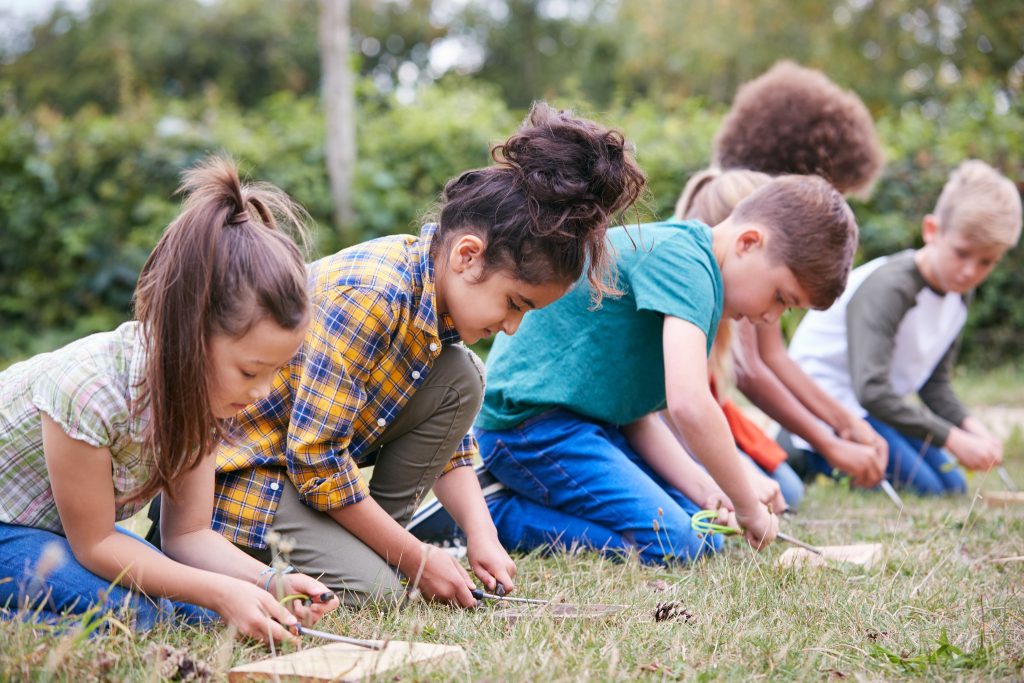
{"x": 381, "y": 379}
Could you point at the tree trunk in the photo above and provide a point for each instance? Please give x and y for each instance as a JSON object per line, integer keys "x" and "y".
{"x": 340, "y": 110}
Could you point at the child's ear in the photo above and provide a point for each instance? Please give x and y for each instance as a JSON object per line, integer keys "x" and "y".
{"x": 749, "y": 239}
{"x": 467, "y": 252}
{"x": 929, "y": 228}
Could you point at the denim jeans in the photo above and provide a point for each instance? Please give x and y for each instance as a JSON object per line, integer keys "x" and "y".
{"x": 68, "y": 587}
{"x": 573, "y": 481}
{"x": 911, "y": 465}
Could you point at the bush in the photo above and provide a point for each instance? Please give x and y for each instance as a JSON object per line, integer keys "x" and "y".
{"x": 84, "y": 199}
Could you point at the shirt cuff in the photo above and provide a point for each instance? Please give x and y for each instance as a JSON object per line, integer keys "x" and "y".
{"x": 335, "y": 492}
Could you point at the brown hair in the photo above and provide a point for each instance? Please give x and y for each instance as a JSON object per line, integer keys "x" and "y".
{"x": 812, "y": 232}
{"x": 980, "y": 203}
{"x": 792, "y": 119}
{"x": 220, "y": 267}
{"x": 543, "y": 208}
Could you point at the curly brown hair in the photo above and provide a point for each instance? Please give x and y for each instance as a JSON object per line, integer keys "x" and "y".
{"x": 545, "y": 204}
{"x": 792, "y": 119}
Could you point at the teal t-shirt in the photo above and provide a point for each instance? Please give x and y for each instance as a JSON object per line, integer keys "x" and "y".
{"x": 608, "y": 364}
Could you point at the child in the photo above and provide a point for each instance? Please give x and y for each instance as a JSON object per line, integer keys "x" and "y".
{"x": 792, "y": 119}
{"x": 893, "y": 333}
{"x": 381, "y": 379}
{"x": 795, "y": 120}
{"x": 570, "y": 422}
{"x": 710, "y": 196}
{"x": 221, "y": 304}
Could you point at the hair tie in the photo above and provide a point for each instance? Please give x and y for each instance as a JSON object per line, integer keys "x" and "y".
{"x": 240, "y": 217}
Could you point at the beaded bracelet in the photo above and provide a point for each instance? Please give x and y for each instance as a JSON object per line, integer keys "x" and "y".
{"x": 269, "y": 572}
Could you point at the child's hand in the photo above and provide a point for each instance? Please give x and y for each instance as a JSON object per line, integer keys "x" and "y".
{"x": 768, "y": 492}
{"x": 862, "y": 462}
{"x": 294, "y": 584}
{"x": 974, "y": 452}
{"x": 442, "y": 578}
{"x": 253, "y": 611}
{"x": 715, "y": 499}
{"x": 759, "y": 526}
{"x": 490, "y": 562}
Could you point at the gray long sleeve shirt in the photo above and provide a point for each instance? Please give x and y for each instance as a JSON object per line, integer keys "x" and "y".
{"x": 889, "y": 336}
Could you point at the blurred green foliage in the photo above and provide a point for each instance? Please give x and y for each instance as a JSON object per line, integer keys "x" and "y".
{"x": 99, "y": 113}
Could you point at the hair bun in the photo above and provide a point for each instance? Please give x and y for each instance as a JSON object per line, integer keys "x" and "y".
{"x": 576, "y": 173}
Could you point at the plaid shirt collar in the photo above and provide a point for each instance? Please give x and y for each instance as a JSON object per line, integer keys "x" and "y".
{"x": 426, "y": 317}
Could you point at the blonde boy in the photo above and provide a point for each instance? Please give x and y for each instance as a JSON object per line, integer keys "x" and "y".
{"x": 893, "y": 333}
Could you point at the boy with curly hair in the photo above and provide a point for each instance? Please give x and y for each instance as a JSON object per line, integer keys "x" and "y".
{"x": 792, "y": 119}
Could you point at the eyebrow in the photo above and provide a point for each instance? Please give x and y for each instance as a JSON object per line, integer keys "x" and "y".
{"x": 527, "y": 301}
{"x": 256, "y": 361}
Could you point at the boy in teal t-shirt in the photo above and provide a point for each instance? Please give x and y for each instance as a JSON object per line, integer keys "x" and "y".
{"x": 662, "y": 269}
{"x": 581, "y": 404}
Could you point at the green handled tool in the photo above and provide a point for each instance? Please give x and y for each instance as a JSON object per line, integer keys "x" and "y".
{"x": 701, "y": 522}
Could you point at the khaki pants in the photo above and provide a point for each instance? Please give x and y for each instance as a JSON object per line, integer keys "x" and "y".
{"x": 410, "y": 455}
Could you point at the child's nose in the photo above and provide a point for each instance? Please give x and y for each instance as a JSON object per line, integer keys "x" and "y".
{"x": 511, "y": 324}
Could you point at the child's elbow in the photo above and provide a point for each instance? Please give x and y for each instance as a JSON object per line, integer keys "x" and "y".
{"x": 692, "y": 411}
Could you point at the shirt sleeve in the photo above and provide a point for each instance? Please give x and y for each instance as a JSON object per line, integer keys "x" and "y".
{"x": 873, "y": 317}
{"x": 349, "y": 334}
{"x": 675, "y": 278}
{"x": 937, "y": 393}
{"x": 83, "y": 401}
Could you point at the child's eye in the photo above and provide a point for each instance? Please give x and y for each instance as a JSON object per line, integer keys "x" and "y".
{"x": 248, "y": 375}
{"x": 512, "y": 305}
{"x": 778, "y": 298}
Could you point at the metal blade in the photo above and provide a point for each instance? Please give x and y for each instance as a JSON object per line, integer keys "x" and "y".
{"x": 789, "y": 539}
{"x": 891, "y": 492}
{"x": 481, "y": 595}
{"x": 1005, "y": 476}
{"x": 368, "y": 644}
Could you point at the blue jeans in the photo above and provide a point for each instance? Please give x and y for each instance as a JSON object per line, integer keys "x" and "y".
{"x": 911, "y": 464}
{"x": 70, "y": 588}
{"x": 787, "y": 479}
{"x": 574, "y": 481}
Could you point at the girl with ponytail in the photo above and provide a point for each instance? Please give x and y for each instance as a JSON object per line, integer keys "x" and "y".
{"x": 220, "y": 304}
{"x": 382, "y": 379}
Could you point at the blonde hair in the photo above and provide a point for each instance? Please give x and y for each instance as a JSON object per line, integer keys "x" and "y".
{"x": 980, "y": 203}
{"x": 710, "y": 196}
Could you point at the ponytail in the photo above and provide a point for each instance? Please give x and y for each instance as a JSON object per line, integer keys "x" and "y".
{"x": 221, "y": 266}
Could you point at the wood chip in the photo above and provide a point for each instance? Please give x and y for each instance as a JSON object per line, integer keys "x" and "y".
{"x": 1002, "y": 499}
{"x": 864, "y": 554}
{"x": 343, "y": 663}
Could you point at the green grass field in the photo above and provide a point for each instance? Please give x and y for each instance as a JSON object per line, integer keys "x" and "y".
{"x": 939, "y": 606}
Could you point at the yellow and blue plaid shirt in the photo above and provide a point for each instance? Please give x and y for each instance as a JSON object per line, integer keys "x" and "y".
{"x": 373, "y": 338}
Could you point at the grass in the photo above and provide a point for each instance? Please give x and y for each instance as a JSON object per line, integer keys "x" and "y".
{"x": 998, "y": 386}
{"x": 938, "y": 607}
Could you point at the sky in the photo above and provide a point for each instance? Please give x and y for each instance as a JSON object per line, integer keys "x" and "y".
{"x": 21, "y": 10}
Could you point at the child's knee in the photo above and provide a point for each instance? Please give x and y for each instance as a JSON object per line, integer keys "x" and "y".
{"x": 460, "y": 369}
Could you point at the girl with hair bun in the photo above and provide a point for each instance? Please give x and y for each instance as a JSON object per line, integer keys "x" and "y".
{"x": 221, "y": 303}
{"x": 382, "y": 379}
